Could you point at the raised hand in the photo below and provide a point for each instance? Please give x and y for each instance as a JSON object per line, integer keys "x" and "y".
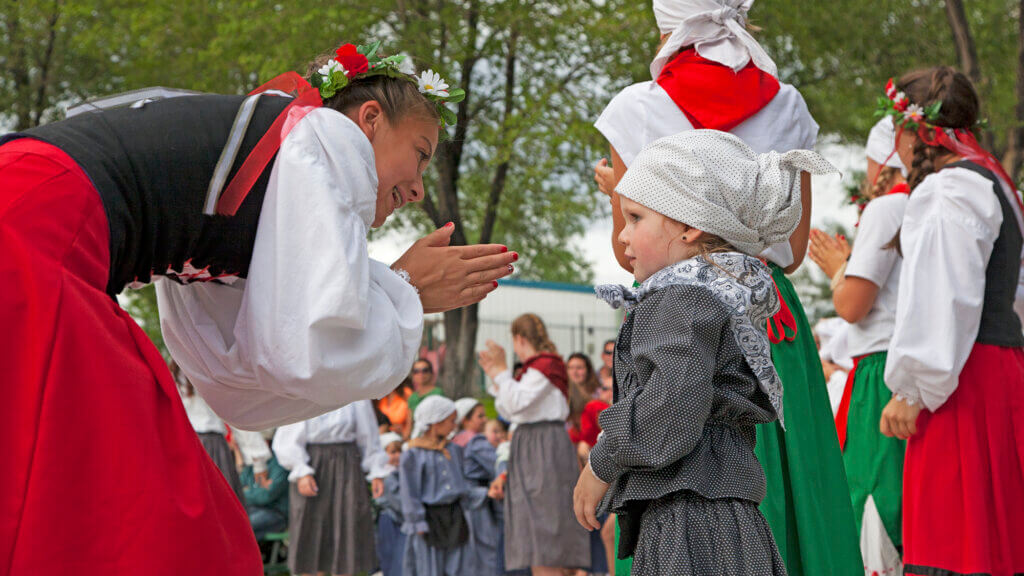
{"x": 450, "y": 277}
{"x": 492, "y": 360}
{"x": 604, "y": 175}
{"x": 828, "y": 252}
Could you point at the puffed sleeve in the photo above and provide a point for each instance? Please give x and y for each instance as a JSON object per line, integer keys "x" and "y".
{"x": 414, "y": 514}
{"x": 374, "y": 459}
{"x": 676, "y": 332}
{"x": 254, "y": 449}
{"x": 519, "y": 398}
{"x": 952, "y": 221}
{"x": 289, "y": 447}
{"x": 317, "y": 324}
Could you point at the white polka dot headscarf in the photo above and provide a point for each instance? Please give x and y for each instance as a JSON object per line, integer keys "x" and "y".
{"x": 713, "y": 181}
{"x": 429, "y": 411}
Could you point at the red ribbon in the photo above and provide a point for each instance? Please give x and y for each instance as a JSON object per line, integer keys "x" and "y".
{"x": 783, "y": 319}
{"x": 899, "y": 188}
{"x": 306, "y": 100}
{"x": 843, "y": 413}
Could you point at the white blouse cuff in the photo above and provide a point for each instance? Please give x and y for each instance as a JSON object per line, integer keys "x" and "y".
{"x": 300, "y": 471}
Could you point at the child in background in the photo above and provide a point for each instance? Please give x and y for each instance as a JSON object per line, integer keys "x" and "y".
{"x": 479, "y": 459}
{"x": 676, "y": 459}
{"x": 470, "y": 419}
{"x": 495, "y": 432}
{"x": 390, "y": 539}
{"x": 435, "y": 494}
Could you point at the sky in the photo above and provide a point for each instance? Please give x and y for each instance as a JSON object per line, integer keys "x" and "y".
{"x": 828, "y": 204}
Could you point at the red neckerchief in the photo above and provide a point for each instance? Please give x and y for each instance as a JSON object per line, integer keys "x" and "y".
{"x": 900, "y": 188}
{"x": 552, "y": 367}
{"x": 712, "y": 95}
{"x": 306, "y": 100}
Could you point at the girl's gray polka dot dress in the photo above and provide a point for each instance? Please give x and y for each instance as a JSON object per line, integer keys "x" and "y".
{"x": 693, "y": 376}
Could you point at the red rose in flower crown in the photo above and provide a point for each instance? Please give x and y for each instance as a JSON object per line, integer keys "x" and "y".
{"x": 354, "y": 62}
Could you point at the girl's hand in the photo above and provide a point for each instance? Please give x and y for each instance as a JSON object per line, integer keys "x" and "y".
{"x": 604, "y": 175}
{"x": 899, "y": 419}
{"x": 497, "y": 489}
{"x": 307, "y": 486}
{"x": 829, "y": 253}
{"x": 450, "y": 277}
{"x": 377, "y": 487}
{"x": 589, "y": 491}
{"x": 492, "y": 360}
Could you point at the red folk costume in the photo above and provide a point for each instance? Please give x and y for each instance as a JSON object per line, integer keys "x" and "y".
{"x": 111, "y": 198}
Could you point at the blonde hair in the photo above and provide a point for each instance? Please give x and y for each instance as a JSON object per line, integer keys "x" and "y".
{"x": 887, "y": 177}
{"x": 532, "y": 329}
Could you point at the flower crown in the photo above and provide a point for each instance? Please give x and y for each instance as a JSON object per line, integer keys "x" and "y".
{"x": 352, "y": 62}
{"x": 904, "y": 112}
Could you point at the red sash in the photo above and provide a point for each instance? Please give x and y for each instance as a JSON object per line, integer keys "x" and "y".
{"x": 843, "y": 413}
{"x": 712, "y": 95}
{"x": 552, "y": 367}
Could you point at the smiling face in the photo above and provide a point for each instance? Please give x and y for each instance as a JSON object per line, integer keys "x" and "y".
{"x": 402, "y": 151}
{"x": 654, "y": 241}
{"x": 577, "y": 369}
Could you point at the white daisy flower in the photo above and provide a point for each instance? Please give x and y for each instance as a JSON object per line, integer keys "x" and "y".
{"x": 331, "y": 67}
{"x": 914, "y": 112}
{"x": 430, "y": 82}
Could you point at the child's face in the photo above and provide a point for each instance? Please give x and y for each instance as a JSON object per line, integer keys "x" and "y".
{"x": 444, "y": 427}
{"x": 476, "y": 420}
{"x": 653, "y": 241}
{"x": 493, "y": 433}
{"x": 394, "y": 451}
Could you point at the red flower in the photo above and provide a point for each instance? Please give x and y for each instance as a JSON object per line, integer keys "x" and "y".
{"x": 901, "y": 104}
{"x": 890, "y": 89}
{"x": 354, "y": 62}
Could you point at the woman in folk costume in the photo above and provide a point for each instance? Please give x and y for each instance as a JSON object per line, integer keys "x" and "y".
{"x": 255, "y": 211}
{"x": 436, "y": 496}
{"x": 864, "y": 292}
{"x": 710, "y": 73}
{"x": 956, "y": 358}
{"x": 211, "y": 431}
{"x": 327, "y": 458}
{"x": 539, "y": 535}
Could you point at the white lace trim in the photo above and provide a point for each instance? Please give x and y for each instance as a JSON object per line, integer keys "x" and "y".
{"x": 404, "y": 275}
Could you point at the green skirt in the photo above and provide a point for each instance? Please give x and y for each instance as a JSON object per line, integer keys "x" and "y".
{"x": 874, "y": 463}
{"x": 808, "y": 501}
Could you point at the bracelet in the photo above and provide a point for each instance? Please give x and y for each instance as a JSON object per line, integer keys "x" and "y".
{"x": 905, "y": 399}
{"x": 838, "y": 277}
{"x": 404, "y": 275}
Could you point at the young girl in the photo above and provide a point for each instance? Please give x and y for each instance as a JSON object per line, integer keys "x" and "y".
{"x": 330, "y": 458}
{"x": 280, "y": 315}
{"x": 390, "y": 539}
{"x": 864, "y": 291}
{"x": 676, "y": 460}
{"x": 435, "y": 494}
{"x": 478, "y": 466}
{"x": 542, "y": 467}
{"x": 956, "y": 363}
{"x": 710, "y": 73}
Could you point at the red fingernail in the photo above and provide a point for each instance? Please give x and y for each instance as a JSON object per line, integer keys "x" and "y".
{"x": 515, "y": 256}
{"x": 511, "y": 269}
{"x": 504, "y": 249}
{"x": 449, "y": 225}
{"x": 495, "y": 283}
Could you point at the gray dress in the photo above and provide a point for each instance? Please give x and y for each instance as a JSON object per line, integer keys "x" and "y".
{"x": 217, "y": 447}
{"x": 693, "y": 377}
{"x": 428, "y": 478}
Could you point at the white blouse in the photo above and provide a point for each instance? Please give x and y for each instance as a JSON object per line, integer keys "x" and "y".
{"x": 644, "y": 112}
{"x": 952, "y": 221}
{"x": 354, "y": 422}
{"x": 872, "y": 261}
{"x": 317, "y": 324}
{"x": 532, "y": 399}
{"x": 254, "y": 448}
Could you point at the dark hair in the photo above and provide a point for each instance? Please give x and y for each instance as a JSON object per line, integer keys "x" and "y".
{"x": 960, "y": 109}
{"x": 581, "y": 394}
{"x": 421, "y": 359}
{"x": 398, "y": 97}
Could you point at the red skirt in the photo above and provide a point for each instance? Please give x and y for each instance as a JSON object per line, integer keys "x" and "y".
{"x": 963, "y": 484}
{"x": 102, "y": 473}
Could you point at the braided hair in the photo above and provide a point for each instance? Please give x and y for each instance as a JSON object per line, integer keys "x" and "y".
{"x": 532, "y": 328}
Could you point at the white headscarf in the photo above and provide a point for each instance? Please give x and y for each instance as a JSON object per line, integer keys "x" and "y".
{"x": 882, "y": 144}
{"x": 463, "y": 406}
{"x": 715, "y": 28}
{"x": 430, "y": 410}
{"x": 388, "y": 438}
{"x": 713, "y": 181}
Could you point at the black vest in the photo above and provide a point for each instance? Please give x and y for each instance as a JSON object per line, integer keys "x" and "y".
{"x": 152, "y": 166}
{"x": 1000, "y": 325}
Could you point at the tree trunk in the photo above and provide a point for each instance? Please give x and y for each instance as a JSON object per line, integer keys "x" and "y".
{"x": 966, "y": 53}
{"x": 1014, "y": 158}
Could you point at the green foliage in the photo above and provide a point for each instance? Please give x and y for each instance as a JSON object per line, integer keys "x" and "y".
{"x": 141, "y": 304}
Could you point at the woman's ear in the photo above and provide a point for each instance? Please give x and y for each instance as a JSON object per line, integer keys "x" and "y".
{"x": 690, "y": 235}
{"x": 369, "y": 117}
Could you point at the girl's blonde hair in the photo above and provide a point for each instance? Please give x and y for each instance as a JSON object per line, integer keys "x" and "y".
{"x": 532, "y": 329}
{"x": 887, "y": 177}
